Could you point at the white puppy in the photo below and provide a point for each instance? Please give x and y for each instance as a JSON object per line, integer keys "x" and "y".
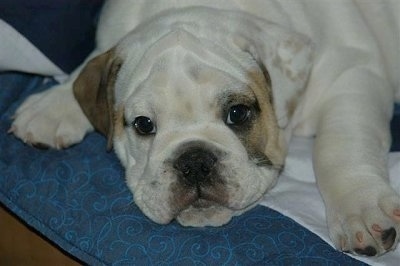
{"x": 199, "y": 100}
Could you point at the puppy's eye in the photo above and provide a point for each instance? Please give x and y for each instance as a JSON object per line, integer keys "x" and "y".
{"x": 144, "y": 125}
{"x": 238, "y": 114}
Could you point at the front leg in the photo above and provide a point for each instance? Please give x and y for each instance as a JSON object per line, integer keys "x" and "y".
{"x": 350, "y": 153}
{"x": 53, "y": 118}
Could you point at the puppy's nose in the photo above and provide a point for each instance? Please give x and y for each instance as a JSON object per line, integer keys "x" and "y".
{"x": 195, "y": 165}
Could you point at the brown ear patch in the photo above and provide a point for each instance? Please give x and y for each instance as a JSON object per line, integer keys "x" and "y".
{"x": 94, "y": 91}
{"x": 262, "y": 141}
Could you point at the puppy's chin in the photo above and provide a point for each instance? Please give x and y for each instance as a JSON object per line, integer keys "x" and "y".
{"x": 206, "y": 213}
{"x": 202, "y": 213}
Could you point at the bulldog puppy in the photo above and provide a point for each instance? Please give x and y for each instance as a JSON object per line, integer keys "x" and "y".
{"x": 199, "y": 100}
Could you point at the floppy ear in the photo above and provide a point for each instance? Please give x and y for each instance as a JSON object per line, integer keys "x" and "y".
{"x": 94, "y": 91}
{"x": 284, "y": 56}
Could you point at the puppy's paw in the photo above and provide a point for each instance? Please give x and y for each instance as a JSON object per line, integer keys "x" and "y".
{"x": 367, "y": 226}
{"x": 52, "y": 118}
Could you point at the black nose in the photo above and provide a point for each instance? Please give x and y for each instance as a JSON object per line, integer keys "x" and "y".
{"x": 195, "y": 165}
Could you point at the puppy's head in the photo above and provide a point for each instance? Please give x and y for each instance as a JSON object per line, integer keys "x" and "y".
{"x": 192, "y": 118}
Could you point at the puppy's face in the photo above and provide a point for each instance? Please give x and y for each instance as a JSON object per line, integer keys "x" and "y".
{"x": 199, "y": 143}
{"x": 190, "y": 111}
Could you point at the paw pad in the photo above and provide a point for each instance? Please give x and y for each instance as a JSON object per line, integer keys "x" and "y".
{"x": 396, "y": 214}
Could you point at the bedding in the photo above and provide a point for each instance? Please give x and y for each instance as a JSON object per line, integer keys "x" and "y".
{"x": 78, "y": 198}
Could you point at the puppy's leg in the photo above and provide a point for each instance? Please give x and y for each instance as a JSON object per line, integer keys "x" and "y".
{"x": 52, "y": 118}
{"x": 350, "y": 152}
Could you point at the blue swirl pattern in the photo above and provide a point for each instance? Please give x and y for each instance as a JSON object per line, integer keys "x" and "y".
{"x": 78, "y": 199}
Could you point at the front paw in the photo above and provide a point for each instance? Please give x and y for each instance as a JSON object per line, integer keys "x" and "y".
{"x": 366, "y": 223}
{"x": 52, "y": 119}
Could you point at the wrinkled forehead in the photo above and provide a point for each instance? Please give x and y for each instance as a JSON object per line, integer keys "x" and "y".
{"x": 179, "y": 81}
{"x": 177, "y": 58}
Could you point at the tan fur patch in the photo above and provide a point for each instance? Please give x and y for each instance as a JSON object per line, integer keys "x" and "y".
{"x": 264, "y": 137}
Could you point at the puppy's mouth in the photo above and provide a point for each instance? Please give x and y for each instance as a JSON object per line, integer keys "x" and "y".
{"x": 206, "y": 205}
{"x": 202, "y": 203}
{"x": 198, "y": 197}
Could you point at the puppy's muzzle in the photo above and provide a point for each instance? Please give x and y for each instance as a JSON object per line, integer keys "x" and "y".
{"x": 195, "y": 166}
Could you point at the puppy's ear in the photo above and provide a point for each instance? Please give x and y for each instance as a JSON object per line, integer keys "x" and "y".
{"x": 284, "y": 56}
{"x": 94, "y": 91}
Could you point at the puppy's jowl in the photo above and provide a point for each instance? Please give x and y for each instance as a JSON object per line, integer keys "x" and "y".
{"x": 199, "y": 104}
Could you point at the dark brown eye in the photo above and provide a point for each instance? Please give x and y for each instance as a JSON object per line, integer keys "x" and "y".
{"x": 238, "y": 114}
{"x": 144, "y": 125}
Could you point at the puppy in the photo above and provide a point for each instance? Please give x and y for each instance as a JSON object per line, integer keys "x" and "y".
{"x": 199, "y": 100}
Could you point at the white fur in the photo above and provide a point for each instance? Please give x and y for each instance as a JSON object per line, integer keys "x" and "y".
{"x": 347, "y": 103}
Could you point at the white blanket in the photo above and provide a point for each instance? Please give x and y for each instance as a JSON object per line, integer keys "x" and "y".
{"x": 296, "y": 195}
